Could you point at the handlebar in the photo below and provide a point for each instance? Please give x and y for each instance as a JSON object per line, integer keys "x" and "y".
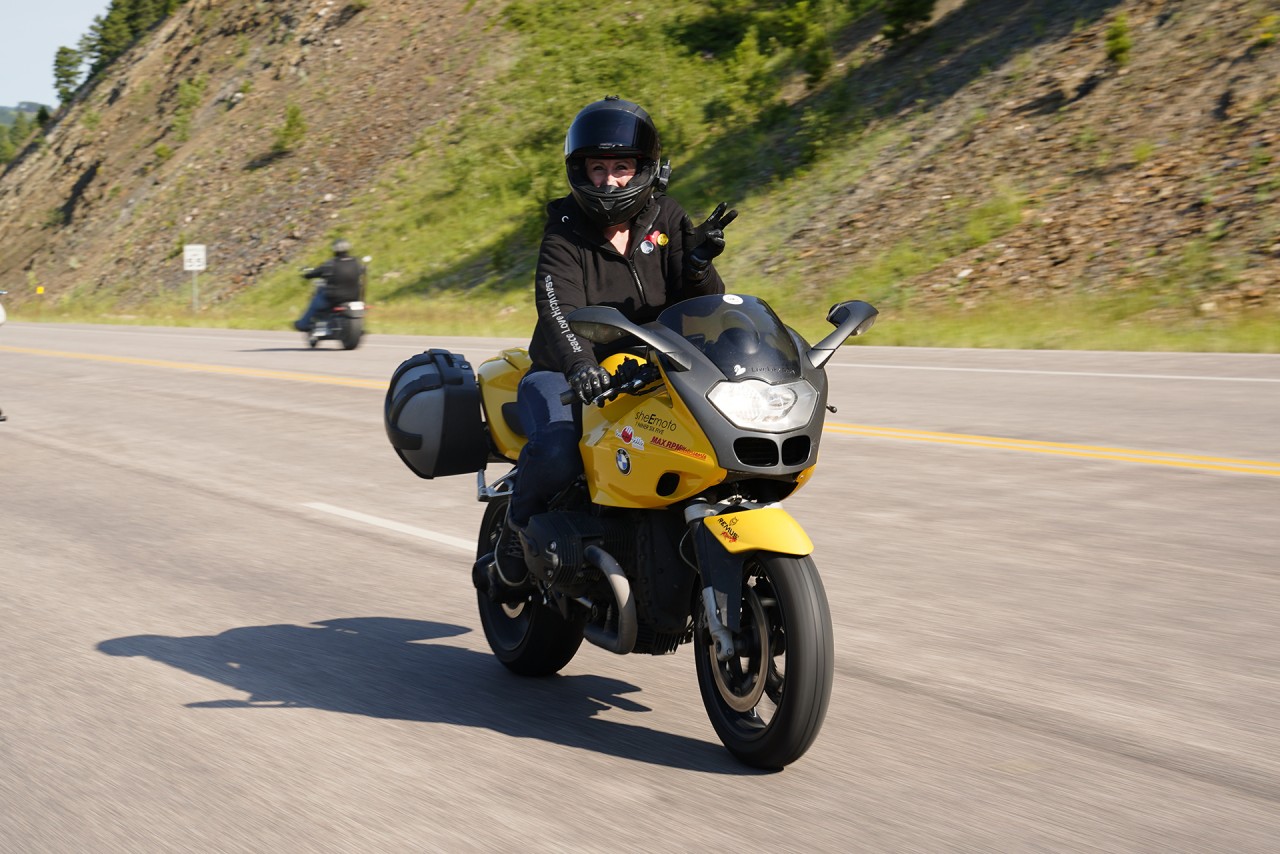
{"x": 630, "y": 377}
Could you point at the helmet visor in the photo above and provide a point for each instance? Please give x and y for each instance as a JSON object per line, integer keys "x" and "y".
{"x": 613, "y": 132}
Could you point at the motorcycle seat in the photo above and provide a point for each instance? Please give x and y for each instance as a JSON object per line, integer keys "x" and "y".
{"x": 511, "y": 415}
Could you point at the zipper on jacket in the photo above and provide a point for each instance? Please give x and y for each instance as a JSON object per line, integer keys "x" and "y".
{"x": 635, "y": 277}
{"x": 644, "y": 229}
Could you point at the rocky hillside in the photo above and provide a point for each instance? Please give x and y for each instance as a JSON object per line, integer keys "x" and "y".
{"x": 177, "y": 141}
{"x": 1161, "y": 173}
{"x": 1134, "y": 143}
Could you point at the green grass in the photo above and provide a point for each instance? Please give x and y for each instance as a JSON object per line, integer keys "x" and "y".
{"x": 1079, "y": 322}
{"x": 1068, "y": 323}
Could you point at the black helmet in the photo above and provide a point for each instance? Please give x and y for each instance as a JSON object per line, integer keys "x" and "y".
{"x": 342, "y": 246}
{"x": 612, "y": 128}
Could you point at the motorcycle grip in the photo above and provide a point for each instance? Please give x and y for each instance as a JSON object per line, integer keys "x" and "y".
{"x": 568, "y": 397}
{"x": 620, "y": 382}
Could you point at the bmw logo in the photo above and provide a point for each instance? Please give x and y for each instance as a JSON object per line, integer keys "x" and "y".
{"x": 624, "y": 461}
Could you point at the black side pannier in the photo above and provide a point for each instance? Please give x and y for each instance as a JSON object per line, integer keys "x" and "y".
{"x": 432, "y": 415}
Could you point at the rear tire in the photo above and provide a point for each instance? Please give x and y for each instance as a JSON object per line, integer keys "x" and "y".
{"x": 529, "y": 638}
{"x": 768, "y": 701}
{"x": 353, "y": 329}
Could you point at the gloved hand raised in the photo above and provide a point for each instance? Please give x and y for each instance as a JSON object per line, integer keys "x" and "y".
{"x": 705, "y": 242}
{"x": 589, "y": 381}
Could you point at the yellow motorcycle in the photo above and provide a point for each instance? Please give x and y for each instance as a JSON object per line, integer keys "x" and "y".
{"x": 676, "y": 532}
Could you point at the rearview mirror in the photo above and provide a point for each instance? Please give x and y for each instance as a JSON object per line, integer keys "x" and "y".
{"x": 850, "y": 318}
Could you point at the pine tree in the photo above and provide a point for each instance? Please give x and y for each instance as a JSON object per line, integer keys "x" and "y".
{"x": 20, "y": 129}
{"x": 91, "y": 46}
{"x": 144, "y": 14}
{"x": 116, "y": 36}
{"x": 66, "y": 72}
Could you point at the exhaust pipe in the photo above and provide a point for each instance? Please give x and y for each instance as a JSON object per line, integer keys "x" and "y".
{"x": 624, "y": 639}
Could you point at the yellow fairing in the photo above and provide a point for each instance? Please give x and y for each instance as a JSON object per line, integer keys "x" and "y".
{"x": 645, "y": 450}
{"x": 769, "y": 529}
{"x": 499, "y": 378}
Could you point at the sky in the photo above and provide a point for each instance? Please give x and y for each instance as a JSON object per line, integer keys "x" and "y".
{"x": 33, "y": 31}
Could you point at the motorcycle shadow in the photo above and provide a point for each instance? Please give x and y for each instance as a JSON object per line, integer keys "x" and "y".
{"x": 375, "y": 666}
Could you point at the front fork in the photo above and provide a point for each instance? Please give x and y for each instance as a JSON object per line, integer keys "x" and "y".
{"x": 724, "y": 537}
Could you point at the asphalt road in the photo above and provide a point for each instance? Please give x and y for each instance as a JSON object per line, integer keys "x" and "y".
{"x": 232, "y": 620}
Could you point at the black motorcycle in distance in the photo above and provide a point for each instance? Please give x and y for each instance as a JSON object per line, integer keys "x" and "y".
{"x": 343, "y": 322}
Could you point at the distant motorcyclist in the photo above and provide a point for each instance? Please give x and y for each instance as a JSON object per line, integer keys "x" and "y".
{"x": 342, "y": 279}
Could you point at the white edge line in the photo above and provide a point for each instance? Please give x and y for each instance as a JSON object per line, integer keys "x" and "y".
{"x": 1058, "y": 373}
{"x": 422, "y": 533}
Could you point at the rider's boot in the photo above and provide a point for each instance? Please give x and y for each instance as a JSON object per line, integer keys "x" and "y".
{"x": 502, "y": 574}
{"x": 508, "y": 557}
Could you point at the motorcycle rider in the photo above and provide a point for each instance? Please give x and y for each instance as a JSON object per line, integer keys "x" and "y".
{"x": 615, "y": 240}
{"x": 342, "y": 280}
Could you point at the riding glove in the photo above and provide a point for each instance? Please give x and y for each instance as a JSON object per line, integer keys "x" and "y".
{"x": 705, "y": 242}
{"x": 589, "y": 381}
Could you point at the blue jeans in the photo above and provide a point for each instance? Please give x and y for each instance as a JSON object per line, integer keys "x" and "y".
{"x": 550, "y": 460}
{"x": 319, "y": 303}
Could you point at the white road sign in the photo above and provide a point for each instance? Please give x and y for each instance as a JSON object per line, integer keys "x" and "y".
{"x": 193, "y": 256}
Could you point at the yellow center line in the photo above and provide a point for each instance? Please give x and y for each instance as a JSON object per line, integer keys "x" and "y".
{"x": 293, "y": 376}
{"x": 1155, "y": 458}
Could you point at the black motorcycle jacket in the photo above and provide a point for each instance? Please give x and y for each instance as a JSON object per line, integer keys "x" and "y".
{"x": 343, "y": 276}
{"x": 578, "y": 267}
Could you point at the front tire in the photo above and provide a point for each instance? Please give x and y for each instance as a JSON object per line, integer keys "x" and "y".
{"x": 529, "y": 638}
{"x": 768, "y": 701}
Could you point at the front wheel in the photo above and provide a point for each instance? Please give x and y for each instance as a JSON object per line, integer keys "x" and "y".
{"x": 529, "y": 638}
{"x": 768, "y": 701}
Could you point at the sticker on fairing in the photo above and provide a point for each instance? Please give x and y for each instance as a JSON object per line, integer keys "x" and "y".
{"x": 624, "y": 461}
{"x": 628, "y": 436}
{"x": 733, "y": 299}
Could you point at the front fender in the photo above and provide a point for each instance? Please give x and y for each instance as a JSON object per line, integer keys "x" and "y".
{"x": 768, "y": 529}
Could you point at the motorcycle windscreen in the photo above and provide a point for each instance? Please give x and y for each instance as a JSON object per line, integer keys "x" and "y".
{"x": 740, "y": 334}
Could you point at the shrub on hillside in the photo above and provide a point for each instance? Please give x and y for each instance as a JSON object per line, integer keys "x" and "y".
{"x": 290, "y": 134}
{"x": 901, "y": 17}
{"x": 1118, "y": 41}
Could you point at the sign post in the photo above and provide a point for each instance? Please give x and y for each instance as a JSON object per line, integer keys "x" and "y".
{"x": 193, "y": 259}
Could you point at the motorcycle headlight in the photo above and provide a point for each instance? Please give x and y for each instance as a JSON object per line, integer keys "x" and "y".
{"x": 756, "y": 405}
